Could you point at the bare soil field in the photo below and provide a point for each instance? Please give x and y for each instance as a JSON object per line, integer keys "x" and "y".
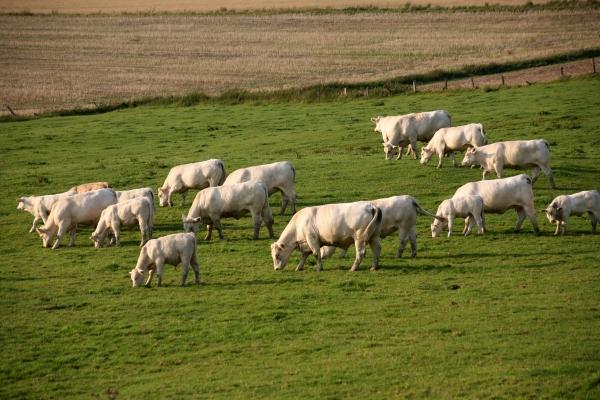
{"x": 52, "y": 62}
{"x": 112, "y": 6}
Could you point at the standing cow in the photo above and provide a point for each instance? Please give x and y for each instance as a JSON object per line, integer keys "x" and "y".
{"x": 40, "y": 206}
{"x": 235, "y": 201}
{"x": 171, "y": 249}
{"x": 398, "y": 215}
{"x": 502, "y": 194}
{"x": 339, "y": 225}
{"x": 450, "y": 140}
{"x": 397, "y": 131}
{"x": 183, "y": 177}
{"x": 278, "y": 176}
{"x": 468, "y": 207}
{"x": 68, "y": 212}
{"x": 517, "y": 154}
{"x": 562, "y": 207}
{"x": 137, "y": 211}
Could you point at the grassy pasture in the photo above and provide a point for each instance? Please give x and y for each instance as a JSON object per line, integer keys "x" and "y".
{"x": 56, "y": 61}
{"x": 503, "y": 315}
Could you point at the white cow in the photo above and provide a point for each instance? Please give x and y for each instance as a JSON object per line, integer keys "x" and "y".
{"x": 235, "y": 201}
{"x": 137, "y": 211}
{"x": 278, "y": 176}
{"x": 39, "y": 206}
{"x": 517, "y": 154}
{"x": 562, "y": 207}
{"x": 500, "y": 195}
{"x": 339, "y": 225}
{"x": 68, "y": 212}
{"x": 468, "y": 207}
{"x": 450, "y": 140}
{"x": 399, "y": 214}
{"x": 400, "y": 130}
{"x": 197, "y": 175}
{"x": 171, "y": 249}
{"x": 124, "y": 195}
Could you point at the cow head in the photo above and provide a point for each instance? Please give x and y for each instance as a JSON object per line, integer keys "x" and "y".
{"x": 163, "y": 197}
{"x": 389, "y": 150}
{"x": 376, "y": 120}
{"x": 437, "y": 225}
{"x": 426, "y": 155}
{"x": 469, "y": 158}
{"x": 191, "y": 224}
{"x": 137, "y": 277}
{"x": 280, "y": 252}
{"x": 553, "y": 213}
{"x": 98, "y": 239}
{"x": 45, "y": 234}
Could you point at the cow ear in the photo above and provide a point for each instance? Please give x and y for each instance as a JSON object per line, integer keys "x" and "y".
{"x": 558, "y": 208}
{"x": 553, "y": 205}
{"x": 197, "y": 219}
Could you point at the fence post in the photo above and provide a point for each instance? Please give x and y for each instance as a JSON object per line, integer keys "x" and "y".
{"x": 502, "y": 76}
{"x": 446, "y": 84}
{"x": 345, "y": 92}
{"x": 414, "y": 86}
{"x": 367, "y": 92}
{"x": 472, "y": 83}
{"x": 562, "y": 72}
{"x": 594, "y": 64}
{"x": 11, "y": 110}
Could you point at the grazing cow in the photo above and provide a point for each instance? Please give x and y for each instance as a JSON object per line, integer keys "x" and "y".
{"x": 235, "y": 201}
{"x": 68, "y": 212}
{"x": 171, "y": 249}
{"x": 578, "y": 204}
{"x": 339, "y": 225}
{"x": 278, "y": 176}
{"x": 468, "y": 207}
{"x": 450, "y": 140}
{"x": 198, "y": 175}
{"x": 88, "y": 187}
{"x": 39, "y": 206}
{"x": 397, "y": 131}
{"x": 137, "y": 211}
{"x": 500, "y": 195}
{"x": 517, "y": 154}
{"x": 399, "y": 214}
{"x": 124, "y": 195}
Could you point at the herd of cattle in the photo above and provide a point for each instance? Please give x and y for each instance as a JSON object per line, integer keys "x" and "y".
{"x": 316, "y": 230}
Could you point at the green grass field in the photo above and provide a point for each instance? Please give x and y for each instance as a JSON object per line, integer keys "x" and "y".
{"x": 502, "y": 315}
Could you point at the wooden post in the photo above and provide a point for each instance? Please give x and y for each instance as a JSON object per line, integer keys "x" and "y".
{"x": 446, "y": 84}
{"x": 345, "y": 92}
{"x": 562, "y": 72}
{"x": 11, "y": 110}
{"x": 367, "y": 92}
{"x": 502, "y": 76}
{"x": 594, "y": 64}
{"x": 414, "y": 86}
{"x": 472, "y": 83}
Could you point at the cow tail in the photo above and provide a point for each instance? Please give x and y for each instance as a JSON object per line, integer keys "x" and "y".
{"x": 546, "y": 143}
{"x": 375, "y": 224}
{"x": 422, "y": 211}
{"x": 293, "y": 172}
{"x": 223, "y": 173}
{"x": 264, "y": 186}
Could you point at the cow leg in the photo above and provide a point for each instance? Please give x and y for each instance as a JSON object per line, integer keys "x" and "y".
{"x": 535, "y": 174}
{"x": 73, "y": 233}
{"x": 413, "y": 242}
{"x": 183, "y": 196}
{"x": 479, "y": 221}
{"x": 530, "y": 212}
{"x": 453, "y": 155}
{"x": 593, "y": 220}
{"x": 469, "y": 222}
{"x": 375, "y": 245}
{"x": 117, "y": 232}
{"x": 61, "y": 232}
{"x": 558, "y": 228}
{"x": 217, "y": 224}
{"x": 144, "y": 230}
{"x": 413, "y": 148}
{"x": 267, "y": 217}
{"x": 403, "y": 237}
{"x": 151, "y": 271}
{"x": 209, "y": 229}
{"x": 399, "y": 156}
{"x": 520, "y": 218}
{"x": 292, "y": 197}
{"x": 315, "y": 247}
{"x": 360, "y": 254}
{"x": 256, "y": 222}
{"x": 484, "y": 174}
{"x": 548, "y": 172}
{"x": 284, "y": 202}
{"x": 185, "y": 269}
{"x": 35, "y": 220}
{"x": 303, "y": 256}
{"x": 160, "y": 264}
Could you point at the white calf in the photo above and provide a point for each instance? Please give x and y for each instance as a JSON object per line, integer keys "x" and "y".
{"x": 562, "y": 207}
{"x": 468, "y": 207}
{"x": 137, "y": 211}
